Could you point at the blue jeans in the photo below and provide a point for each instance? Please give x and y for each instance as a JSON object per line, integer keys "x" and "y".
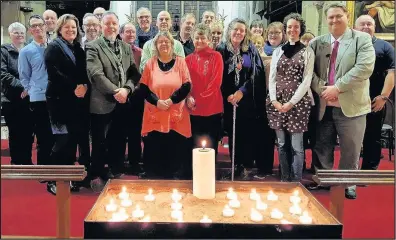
{"x": 291, "y": 154}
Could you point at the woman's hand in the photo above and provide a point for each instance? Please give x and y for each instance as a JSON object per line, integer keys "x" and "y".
{"x": 277, "y": 105}
{"x": 235, "y": 98}
{"x": 80, "y": 90}
{"x": 191, "y": 103}
{"x": 286, "y": 107}
{"x": 161, "y": 104}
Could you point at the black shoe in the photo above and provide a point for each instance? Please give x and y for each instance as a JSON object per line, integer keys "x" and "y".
{"x": 350, "y": 193}
{"x": 51, "y": 188}
{"x": 315, "y": 186}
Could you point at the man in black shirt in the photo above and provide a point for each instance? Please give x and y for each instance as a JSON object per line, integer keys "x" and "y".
{"x": 186, "y": 29}
{"x": 381, "y": 86}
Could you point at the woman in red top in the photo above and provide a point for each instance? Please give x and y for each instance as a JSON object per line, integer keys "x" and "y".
{"x": 166, "y": 127}
{"x": 205, "y": 101}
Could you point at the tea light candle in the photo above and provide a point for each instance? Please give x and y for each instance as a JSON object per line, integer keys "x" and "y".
{"x": 295, "y": 209}
{"x": 272, "y": 196}
{"x": 231, "y": 194}
{"x": 149, "y": 197}
{"x": 145, "y": 219}
{"x": 276, "y": 214}
{"x": 138, "y": 213}
{"x": 305, "y": 218}
{"x": 283, "y": 221}
{"x": 228, "y": 212}
{"x": 205, "y": 219}
{"x": 255, "y": 216}
{"x": 260, "y": 205}
{"x": 176, "y": 206}
{"x": 111, "y": 207}
{"x": 176, "y": 214}
{"x": 234, "y": 203}
{"x": 176, "y": 195}
{"x": 254, "y": 195}
{"x": 119, "y": 216}
{"x": 124, "y": 194}
{"x": 295, "y": 198}
{"x": 126, "y": 203}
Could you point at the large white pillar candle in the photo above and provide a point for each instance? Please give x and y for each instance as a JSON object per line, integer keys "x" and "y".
{"x": 204, "y": 174}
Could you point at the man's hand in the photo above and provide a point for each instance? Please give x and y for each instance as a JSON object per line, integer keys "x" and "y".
{"x": 80, "y": 90}
{"x": 286, "y": 107}
{"x": 161, "y": 104}
{"x": 191, "y": 103}
{"x": 121, "y": 95}
{"x": 24, "y": 94}
{"x": 378, "y": 103}
{"x": 330, "y": 93}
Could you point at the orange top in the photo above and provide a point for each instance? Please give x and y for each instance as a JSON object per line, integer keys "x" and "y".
{"x": 164, "y": 84}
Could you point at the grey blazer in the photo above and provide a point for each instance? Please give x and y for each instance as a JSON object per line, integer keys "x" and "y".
{"x": 105, "y": 76}
{"x": 354, "y": 65}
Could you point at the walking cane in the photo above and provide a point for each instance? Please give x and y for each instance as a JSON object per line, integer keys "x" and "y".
{"x": 233, "y": 143}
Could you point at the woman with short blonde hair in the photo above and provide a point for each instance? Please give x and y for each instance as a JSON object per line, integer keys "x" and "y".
{"x": 216, "y": 30}
{"x": 165, "y": 84}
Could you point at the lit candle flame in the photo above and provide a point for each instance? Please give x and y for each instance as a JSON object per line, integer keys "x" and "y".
{"x": 111, "y": 201}
{"x": 137, "y": 207}
{"x": 295, "y": 193}
{"x": 203, "y": 143}
{"x": 253, "y": 190}
{"x": 174, "y": 191}
{"x": 123, "y": 189}
{"x": 150, "y": 191}
{"x": 230, "y": 189}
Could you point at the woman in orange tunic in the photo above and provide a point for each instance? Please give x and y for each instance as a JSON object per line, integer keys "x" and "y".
{"x": 165, "y": 84}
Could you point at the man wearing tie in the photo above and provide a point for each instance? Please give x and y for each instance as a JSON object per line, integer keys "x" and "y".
{"x": 344, "y": 62}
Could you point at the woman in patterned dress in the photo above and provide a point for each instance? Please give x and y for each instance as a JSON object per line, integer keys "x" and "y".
{"x": 290, "y": 98}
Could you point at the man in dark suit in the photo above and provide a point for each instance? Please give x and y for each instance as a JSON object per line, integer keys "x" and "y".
{"x": 114, "y": 76}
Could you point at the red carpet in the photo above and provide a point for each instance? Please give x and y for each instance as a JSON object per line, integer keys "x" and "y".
{"x": 28, "y": 210}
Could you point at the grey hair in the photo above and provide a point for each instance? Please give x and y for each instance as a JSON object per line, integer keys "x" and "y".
{"x": 142, "y": 9}
{"x": 187, "y": 15}
{"x": 208, "y": 11}
{"x": 366, "y": 15}
{"x": 336, "y": 5}
{"x": 169, "y": 36}
{"x": 109, "y": 13}
{"x": 16, "y": 25}
{"x": 88, "y": 15}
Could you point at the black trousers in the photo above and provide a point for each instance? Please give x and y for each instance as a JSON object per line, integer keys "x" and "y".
{"x": 164, "y": 154}
{"x": 20, "y": 128}
{"x": 372, "y": 140}
{"x": 42, "y": 129}
{"x": 134, "y": 125}
{"x": 109, "y": 136}
{"x": 254, "y": 139}
{"x": 206, "y": 128}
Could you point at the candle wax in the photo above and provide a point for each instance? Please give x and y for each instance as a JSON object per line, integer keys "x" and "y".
{"x": 231, "y": 194}
{"x": 138, "y": 213}
{"x": 176, "y": 206}
{"x": 228, "y": 212}
{"x": 149, "y": 197}
{"x": 261, "y": 205}
{"x": 205, "y": 219}
{"x": 276, "y": 214}
{"x": 305, "y": 219}
{"x": 254, "y": 195}
{"x": 255, "y": 216}
{"x": 234, "y": 203}
{"x": 176, "y": 214}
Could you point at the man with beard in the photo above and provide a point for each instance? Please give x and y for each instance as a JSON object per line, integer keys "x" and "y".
{"x": 113, "y": 75}
{"x": 381, "y": 86}
{"x": 164, "y": 23}
{"x": 184, "y": 36}
{"x": 91, "y": 27}
{"x": 144, "y": 31}
{"x": 208, "y": 17}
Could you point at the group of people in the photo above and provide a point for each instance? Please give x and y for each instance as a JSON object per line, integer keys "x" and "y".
{"x": 126, "y": 84}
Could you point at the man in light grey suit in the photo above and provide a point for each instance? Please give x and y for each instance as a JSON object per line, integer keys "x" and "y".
{"x": 114, "y": 76}
{"x": 344, "y": 61}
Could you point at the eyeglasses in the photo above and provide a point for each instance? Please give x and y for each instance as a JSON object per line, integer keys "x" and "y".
{"x": 40, "y": 25}
{"x": 144, "y": 17}
{"x": 274, "y": 33}
{"x": 93, "y": 25}
{"x": 19, "y": 33}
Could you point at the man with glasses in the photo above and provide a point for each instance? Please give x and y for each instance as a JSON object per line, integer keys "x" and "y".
{"x": 164, "y": 23}
{"x": 34, "y": 79}
{"x": 144, "y": 31}
{"x": 91, "y": 27}
{"x": 98, "y": 12}
{"x": 50, "y": 17}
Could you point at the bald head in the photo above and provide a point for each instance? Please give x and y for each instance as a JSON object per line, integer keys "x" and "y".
{"x": 365, "y": 23}
{"x": 164, "y": 21}
{"x": 98, "y": 12}
{"x": 50, "y": 18}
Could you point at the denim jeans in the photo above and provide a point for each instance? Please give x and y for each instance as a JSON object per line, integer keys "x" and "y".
{"x": 291, "y": 154}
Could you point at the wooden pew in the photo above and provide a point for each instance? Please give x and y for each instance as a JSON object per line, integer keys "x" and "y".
{"x": 339, "y": 179}
{"x": 62, "y": 175}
